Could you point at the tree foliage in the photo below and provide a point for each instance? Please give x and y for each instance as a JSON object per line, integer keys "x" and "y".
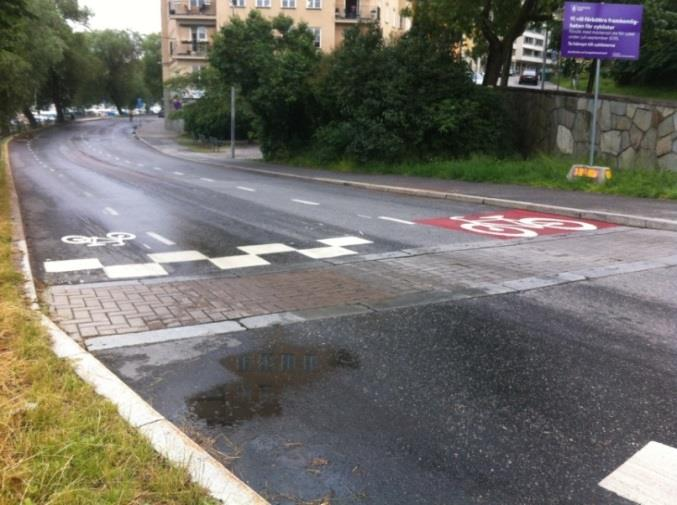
{"x": 367, "y": 101}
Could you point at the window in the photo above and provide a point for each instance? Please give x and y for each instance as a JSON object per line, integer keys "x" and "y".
{"x": 263, "y": 3}
{"x": 314, "y": 4}
{"x": 317, "y": 33}
{"x": 309, "y": 362}
{"x": 289, "y": 4}
{"x": 243, "y": 363}
{"x": 528, "y": 40}
{"x": 171, "y": 48}
{"x": 265, "y": 362}
{"x": 287, "y": 362}
{"x": 238, "y": 3}
{"x": 201, "y": 32}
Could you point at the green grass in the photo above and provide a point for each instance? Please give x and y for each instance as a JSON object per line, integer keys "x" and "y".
{"x": 60, "y": 443}
{"x": 539, "y": 171}
{"x": 609, "y": 87}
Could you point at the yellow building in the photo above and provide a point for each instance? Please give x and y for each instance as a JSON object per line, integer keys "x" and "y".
{"x": 188, "y": 26}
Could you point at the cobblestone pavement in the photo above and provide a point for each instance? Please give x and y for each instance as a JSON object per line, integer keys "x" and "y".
{"x": 118, "y": 308}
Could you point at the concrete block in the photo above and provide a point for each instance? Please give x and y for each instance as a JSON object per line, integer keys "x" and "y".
{"x": 610, "y": 142}
{"x": 664, "y": 146}
{"x": 630, "y": 110}
{"x": 668, "y": 162}
{"x": 667, "y": 126}
{"x": 618, "y": 108}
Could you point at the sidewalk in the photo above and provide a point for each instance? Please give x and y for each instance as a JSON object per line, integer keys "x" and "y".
{"x": 641, "y": 212}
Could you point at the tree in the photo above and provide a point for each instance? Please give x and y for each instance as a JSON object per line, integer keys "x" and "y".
{"x": 273, "y": 63}
{"x": 657, "y": 64}
{"x": 121, "y": 78}
{"x": 499, "y": 22}
{"x": 152, "y": 67}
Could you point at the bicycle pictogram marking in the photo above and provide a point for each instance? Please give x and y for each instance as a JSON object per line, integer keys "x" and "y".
{"x": 114, "y": 238}
{"x": 516, "y": 224}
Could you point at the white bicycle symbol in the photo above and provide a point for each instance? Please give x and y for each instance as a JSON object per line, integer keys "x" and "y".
{"x": 115, "y": 238}
{"x": 524, "y": 227}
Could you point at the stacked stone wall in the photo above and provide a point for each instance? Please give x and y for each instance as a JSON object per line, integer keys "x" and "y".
{"x": 631, "y": 133}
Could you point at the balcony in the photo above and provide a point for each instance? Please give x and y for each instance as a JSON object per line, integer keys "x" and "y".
{"x": 191, "y": 50}
{"x": 193, "y": 10}
{"x": 352, "y": 13}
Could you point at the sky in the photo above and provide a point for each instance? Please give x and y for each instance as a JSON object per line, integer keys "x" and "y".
{"x": 141, "y": 16}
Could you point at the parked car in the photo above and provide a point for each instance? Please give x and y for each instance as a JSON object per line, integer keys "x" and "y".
{"x": 161, "y": 113}
{"x": 529, "y": 77}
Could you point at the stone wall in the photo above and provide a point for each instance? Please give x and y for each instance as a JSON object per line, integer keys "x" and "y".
{"x": 631, "y": 133}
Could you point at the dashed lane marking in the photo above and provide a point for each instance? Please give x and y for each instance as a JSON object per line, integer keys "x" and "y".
{"x": 245, "y": 188}
{"x": 160, "y": 238}
{"x": 157, "y": 168}
{"x": 364, "y": 216}
{"x": 111, "y": 211}
{"x": 649, "y": 477}
{"x": 206, "y": 179}
{"x": 395, "y": 220}
{"x": 54, "y": 267}
{"x": 134, "y": 270}
{"x": 240, "y": 261}
{"x": 177, "y": 173}
{"x": 266, "y": 249}
{"x": 345, "y": 241}
{"x": 304, "y": 202}
{"x": 177, "y": 256}
{"x": 326, "y": 252}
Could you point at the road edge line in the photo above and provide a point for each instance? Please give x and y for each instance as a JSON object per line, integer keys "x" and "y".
{"x": 165, "y": 437}
{"x": 608, "y": 217}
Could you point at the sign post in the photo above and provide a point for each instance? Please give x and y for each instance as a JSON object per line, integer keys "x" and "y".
{"x": 602, "y": 32}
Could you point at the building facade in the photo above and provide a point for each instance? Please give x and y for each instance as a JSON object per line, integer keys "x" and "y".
{"x": 188, "y": 26}
{"x": 527, "y": 51}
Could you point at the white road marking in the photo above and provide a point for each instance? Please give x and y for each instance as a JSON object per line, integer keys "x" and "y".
{"x": 177, "y": 173}
{"x": 364, "y": 216}
{"x": 134, "y": 270}
{"x": 160, "y": 238}
{"x": 157, "y": 168}
{"x": 141, "y": 165}
{"x": 326, "y": 252}
{"x": 395, "y": 220}
{"x": 166, "y": 335}
{"x": 649, "y": 477}
{"x": 177, "y": 256}
{"x": 266, "y": 249}
{"x": 345, "y": 241}
{"x": 111, "y": 211}
{"x": 206, "y": 179}
{"x": 245, "y": 188}
{"x": 146, "y": 246}
{"x": 241, "y": 261}
{"x": 55, "y": 267}
{"x": 304, "y": 202}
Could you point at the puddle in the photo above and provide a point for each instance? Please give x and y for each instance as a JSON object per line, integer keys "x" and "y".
{"x": 263, "y": 377}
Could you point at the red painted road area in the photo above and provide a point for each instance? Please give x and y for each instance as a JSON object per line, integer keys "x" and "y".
{"x": 515, "y": 224}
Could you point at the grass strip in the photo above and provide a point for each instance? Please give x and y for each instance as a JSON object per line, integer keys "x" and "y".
{"x": 60, "y": 443}
{"x": 539, "y": 171}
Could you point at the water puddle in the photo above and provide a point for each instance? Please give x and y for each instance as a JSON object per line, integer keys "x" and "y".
{"x": 263, "y": 377}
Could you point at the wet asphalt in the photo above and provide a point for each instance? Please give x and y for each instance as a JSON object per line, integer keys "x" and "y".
{"x": 516, "y": 399}
{"x": 90, "y": 179}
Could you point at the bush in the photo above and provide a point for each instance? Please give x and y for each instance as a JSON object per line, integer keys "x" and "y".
{"x": 210, "y": 116}
{"x": 404, "y": 101}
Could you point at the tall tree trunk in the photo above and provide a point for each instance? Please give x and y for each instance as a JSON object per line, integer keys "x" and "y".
{"x": 494, "y": 62}
{"x": 507, "y": 59}
{"x": 31, "y": 118}
{"x": 591, "y": 77}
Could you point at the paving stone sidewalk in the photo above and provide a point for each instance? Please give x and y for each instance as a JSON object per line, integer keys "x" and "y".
{"x": 86, "y": 311}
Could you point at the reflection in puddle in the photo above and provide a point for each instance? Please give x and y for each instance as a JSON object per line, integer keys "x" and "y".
{"x": 263, "y": 377}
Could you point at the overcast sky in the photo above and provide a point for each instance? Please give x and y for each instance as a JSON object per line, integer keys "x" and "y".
{"x": 141, "y": 16}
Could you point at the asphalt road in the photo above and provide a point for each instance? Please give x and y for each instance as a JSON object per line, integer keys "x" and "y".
{"x": 90, "y": 179}
{"x": 515, "y": 399}
{"x": 512, "y": 396}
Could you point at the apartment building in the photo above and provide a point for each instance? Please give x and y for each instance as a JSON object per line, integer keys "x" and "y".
{"x": 188, "y": 26}
{"x": 527, "y": 51}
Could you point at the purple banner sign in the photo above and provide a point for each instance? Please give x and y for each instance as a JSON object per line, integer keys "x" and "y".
{"x": 602, "y": 31}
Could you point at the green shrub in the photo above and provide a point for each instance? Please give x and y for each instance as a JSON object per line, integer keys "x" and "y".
{"x": 210, "y": 116}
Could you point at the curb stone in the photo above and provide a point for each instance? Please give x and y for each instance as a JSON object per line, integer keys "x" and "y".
{"x": 608, "y": 217}
{"x": 164, "y": 436}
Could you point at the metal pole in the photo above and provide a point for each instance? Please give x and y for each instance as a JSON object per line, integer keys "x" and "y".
{"x": 593, "y": 127}
{"x": 545, "y": 56}
{"x": 232, "y": 122}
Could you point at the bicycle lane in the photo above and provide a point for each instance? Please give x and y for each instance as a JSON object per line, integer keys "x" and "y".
{"x": 515, "y": 223}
